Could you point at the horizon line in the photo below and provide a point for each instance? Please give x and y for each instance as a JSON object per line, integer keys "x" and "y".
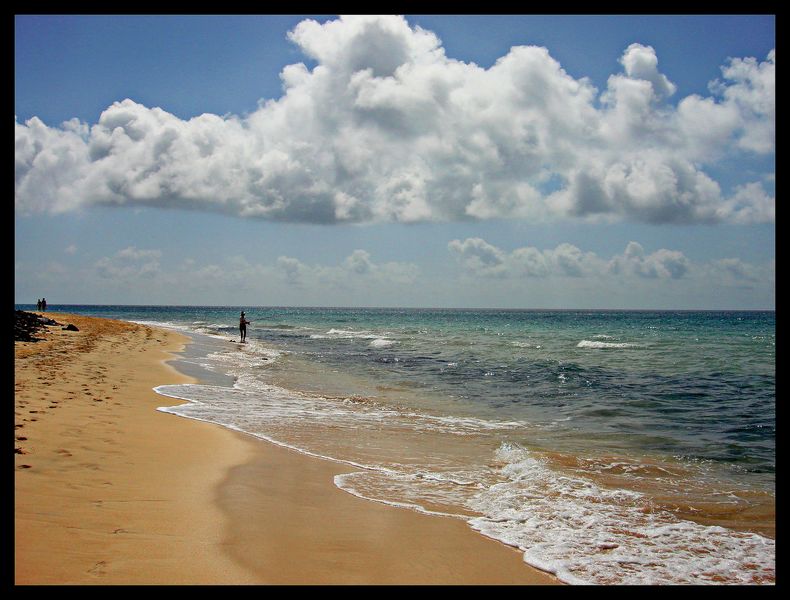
{"x": 51, "y": 307}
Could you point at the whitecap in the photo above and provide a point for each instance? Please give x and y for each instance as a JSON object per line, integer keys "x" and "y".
{"x": 591, "y": 344}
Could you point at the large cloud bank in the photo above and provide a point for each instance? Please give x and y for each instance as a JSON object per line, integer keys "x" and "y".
{"x": 386, "y": 127}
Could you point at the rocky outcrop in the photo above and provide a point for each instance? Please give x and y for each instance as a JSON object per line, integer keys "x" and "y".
{"x": 27, "y": 325}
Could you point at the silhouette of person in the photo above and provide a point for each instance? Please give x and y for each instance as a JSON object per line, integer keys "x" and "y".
{"x": 38, "y": 304}
{"x": 44, "y": 304}
{"x": 243, "y": 327}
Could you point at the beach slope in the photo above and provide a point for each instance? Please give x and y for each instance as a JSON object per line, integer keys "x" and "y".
{"x": 108, "y": 490}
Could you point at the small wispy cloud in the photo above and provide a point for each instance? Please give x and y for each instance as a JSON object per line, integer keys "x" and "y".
{"x": 128, "y": 264}
{"x": 357, "y": 268}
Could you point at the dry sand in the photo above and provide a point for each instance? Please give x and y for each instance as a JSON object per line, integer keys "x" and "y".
{"x": 110, "y": 491}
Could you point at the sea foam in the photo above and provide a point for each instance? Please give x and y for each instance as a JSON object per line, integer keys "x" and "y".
{"x": 586, "y": 534}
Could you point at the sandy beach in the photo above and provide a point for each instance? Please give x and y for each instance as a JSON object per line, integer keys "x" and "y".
{"x": 108, "y": 490}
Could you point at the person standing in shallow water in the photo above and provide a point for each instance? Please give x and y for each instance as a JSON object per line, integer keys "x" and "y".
{"x": 243, "y": 327}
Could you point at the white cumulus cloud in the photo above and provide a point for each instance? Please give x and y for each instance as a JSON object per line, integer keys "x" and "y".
{"x": 663, "y": 263}
{"x": 387, "y": 127}
{"x": 566, "y": 260}
{"x": 480, "y": 258}
{"x": 641, "y": 62}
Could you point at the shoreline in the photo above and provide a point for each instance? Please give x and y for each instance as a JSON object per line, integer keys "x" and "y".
{"x": 118, "y": 492}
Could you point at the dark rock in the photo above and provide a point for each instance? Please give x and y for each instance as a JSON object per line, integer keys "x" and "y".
{"x": 70, "y": 327}
{"x": 28, "y": 325}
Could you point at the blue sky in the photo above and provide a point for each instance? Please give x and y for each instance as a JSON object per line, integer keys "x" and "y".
{"x": 500, "y": 161}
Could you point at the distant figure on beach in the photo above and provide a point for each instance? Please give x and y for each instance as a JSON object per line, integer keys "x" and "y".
{"x": 243, "y": 327}
{"x": 44, "y": 304}
{"x": 38, "y": 304}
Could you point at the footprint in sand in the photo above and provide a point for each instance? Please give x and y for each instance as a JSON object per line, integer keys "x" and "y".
{"x": 64, "y": 452}
{"x": 98, "y": 568}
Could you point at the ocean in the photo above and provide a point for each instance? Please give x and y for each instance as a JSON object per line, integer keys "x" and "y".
{"x": 609, "y": 447}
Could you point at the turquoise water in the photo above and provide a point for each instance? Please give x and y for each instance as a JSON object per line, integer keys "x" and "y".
{"x": 609, "y": 446}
